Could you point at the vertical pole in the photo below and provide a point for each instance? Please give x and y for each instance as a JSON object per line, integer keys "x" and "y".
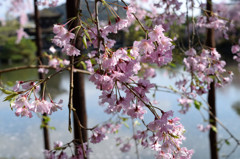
{"x": 210, "y": 42}
{"x": 73, "y": 8}
{"x": 38, "y": 41}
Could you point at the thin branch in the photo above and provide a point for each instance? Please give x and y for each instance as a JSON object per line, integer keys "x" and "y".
{"x": 40, "y": 66}
{"x": 70, "y": 104}
{"x": 97, "y": 24}
{"x": 143, "y": 28}
{"x": 24, "y": 67}
{"x": 80, "y": 133}
{"x": 136, "y": 143}
{"x": 88, "y": 8}
{"x": 79, "y": 124}
{"x": 147, "y": 105}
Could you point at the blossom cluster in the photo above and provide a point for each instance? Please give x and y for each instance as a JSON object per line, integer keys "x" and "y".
{"x": 236, "y": 51}
{"x": 204, "y": 69}
{"x": 166, "y": 137}
{"x": 22, "y": 103}
{"x": 214, "y": 22}
{"x": 168, "y": 15}
{"x": 115, "y": 74}
{"x": 99, "y": 133}
{"x": 54, "y": 62}
{"x": 63, "y": 39}
{"x": 60, "y": 154}
{"x": 49, "y": 3}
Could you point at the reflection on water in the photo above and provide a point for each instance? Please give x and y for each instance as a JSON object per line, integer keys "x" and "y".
{"x": 22, "y": 137}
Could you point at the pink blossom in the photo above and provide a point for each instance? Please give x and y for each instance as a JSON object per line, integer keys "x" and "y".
{"x": 23, "y": 111}
{"x": 156, "y": 33}
{"x": 20, "y": 102}
{"x": 191, "y": 52}
{"x": 54, "y": 106}
{"x": 202, "y": 128}
{"x": 58, "y": 144}
{"x": 52, "y": 49}
{"x": 70, "y": 50}
{"x": 126, "y": 147}
{"x": 184, "y": 153}
{"x": 20, "y": 34}
{"x": 59, "y": 30}
{"x": 130, "y": 11}
{"x": 42, "y": 107}
{"x": 43, "y": 70}
{"x": 146, "y": 46}
{"x": 136, "y": 111}
{"x": 149, "y": 73}
{"x": 53, "y": 62}
{"x": 235, "y": 49}
{"x": 97, "y": 136}
{"x": 185, "y": 102}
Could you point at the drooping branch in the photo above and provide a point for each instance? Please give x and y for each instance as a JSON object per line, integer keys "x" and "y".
{"x": 41, "y": 66}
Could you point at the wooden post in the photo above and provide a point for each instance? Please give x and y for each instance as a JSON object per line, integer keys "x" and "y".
{"x": 73, "y": 9}
{"x": 38, "y": 41}
{"x": 210, "y": 42}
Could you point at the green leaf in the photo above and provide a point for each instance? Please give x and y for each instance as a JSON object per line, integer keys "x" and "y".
{"x": 84, "y": 40}
{"x": 58, "y": 148}
{"x": 125, "y": 124}
{"x": 52, "y": 128}
{"x": 136, "y": 123}
{"x": 42, "y": 126}
{"x": 70, "y": 129}
{"x": 46, "y": 119}
{"x": 214, "y": 128}
{"x": 10, "y": 83}
{"x": 124, "y": 119}
{"x": 12, "y": 102}
{"x": 174, "y": 136}
{"x": 197, "y": 104}
{"x": 7, "y": 91}
{"x": 227, "y": 142}
{"x": 10, "y": 97}
{"x": 131, "y": 56}
{"x": 172, "y": 65}
{"x": 86, "y": 33}
{"x": 84, "y": 65}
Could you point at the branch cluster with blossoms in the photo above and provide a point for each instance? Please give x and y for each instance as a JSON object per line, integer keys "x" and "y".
{"x": 59, "y": 153}
{"x": 62, "y": 39}
{"x": 204, "y": 69}
{"x": 23, "y": 104}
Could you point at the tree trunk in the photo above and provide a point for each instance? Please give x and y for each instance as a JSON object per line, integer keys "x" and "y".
{"x": 38, "y": 41}
{"x": 73, "y": 8}
{"x": 210, "y": 42}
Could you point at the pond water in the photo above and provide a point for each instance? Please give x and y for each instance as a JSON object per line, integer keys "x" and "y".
{"x": 22, "y": 137}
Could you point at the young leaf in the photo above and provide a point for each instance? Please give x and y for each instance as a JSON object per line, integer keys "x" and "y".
{"x": 197, "y": 104}
{"x": 125, "y": 124}
{"x": 7, "y": 91}
{"x": 52, "y": 128}
{"x": 124, "y": 119}
{"x": 86, "y": 33}
{"x": 84, "y": 40}
{"x": 227, "y": 142}
{"x": 214, "y": 128}
{"x": 84, "y": 65}
{"x": 10, "y": 97}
